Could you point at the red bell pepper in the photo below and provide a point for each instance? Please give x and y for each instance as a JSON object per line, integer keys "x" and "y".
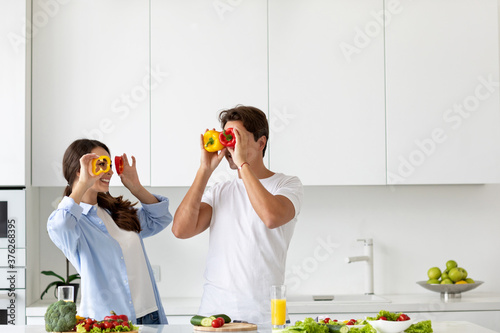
{"x": 119, "y": 164}
{"x": 227, "y": 138}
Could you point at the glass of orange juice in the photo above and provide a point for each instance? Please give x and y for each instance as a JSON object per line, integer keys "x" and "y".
{"x": 278, "y": 306}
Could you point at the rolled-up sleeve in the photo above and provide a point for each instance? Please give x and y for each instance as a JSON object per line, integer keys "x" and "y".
{"x": 154, "y": 217}
{"x": 63, "y": 228}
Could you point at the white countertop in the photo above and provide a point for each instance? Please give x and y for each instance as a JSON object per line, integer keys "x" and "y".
{"x": 438, "y": 327}
{"x": 425, "y": 302}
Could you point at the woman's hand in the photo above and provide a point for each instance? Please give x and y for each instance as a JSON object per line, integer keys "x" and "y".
{"x": 85, "y": 177}
{"x": 130, "y": 180}
{"x": 129, "y": 176}
{"x": 210, "y": 161}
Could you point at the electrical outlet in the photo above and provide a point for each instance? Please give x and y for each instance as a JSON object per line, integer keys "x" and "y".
{"x": 156, "y": 272}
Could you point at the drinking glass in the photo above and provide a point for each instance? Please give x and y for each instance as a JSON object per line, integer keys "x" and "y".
{"x": 65, "y": 293}
{"x": 278, "y": 306}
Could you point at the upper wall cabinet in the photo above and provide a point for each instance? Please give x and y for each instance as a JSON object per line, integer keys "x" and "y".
{"x": 91, "y": 79}
{"x": 326, "y": 91}
{"x": 443, "y": 113}
{"x": 12, "y": 92}
{"x": 214, "y": 54}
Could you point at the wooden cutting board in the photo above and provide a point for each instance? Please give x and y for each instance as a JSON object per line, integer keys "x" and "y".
{"x": 229, "y": 327}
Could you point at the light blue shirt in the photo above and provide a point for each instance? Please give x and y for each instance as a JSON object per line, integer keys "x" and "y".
{"x": 83, "y": 238}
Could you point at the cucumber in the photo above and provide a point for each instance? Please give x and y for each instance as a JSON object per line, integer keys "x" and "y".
{"x": 226, "y": 317}
{"x": 338, "y": 328}
{"x": 201, "y": 321}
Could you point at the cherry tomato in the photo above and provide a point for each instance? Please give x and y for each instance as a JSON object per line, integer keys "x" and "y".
{"x": 351, "y": 322}
{"x": 403, "y": 317}
{"x": 89, "y": 321}
{"x": 216, "y": 323}
{"x": 326, "y": 320}
{"x": 97, "y": 325}
{"x": 125, "y": 324}
{"x": 108, "y": 324}
{"x": 87, "y": 327}
{"x": 222, "y": 321}
{"x": 335, "y": 320}
{"x": 382, "y": 318}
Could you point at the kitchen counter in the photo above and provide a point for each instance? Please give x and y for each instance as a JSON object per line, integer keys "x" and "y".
{"x": 438, "y": 327}
{"x": 425, "y": 302}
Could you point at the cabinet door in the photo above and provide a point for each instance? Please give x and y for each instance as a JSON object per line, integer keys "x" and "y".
{"x": 443, "y": 116}
{"x": 12, "y": 92}
{"x": 91, "y": 79}
{"x": 326, "y": 90}
{"x": 215, "y": 54}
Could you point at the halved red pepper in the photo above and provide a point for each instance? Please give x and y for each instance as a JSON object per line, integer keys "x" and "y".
{"x": 119, "y": 164}
{"x": 227, "y": 138}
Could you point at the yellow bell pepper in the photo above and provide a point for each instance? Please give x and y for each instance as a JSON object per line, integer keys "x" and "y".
{"x": 102, "y": 158}
{"x": 211, "y": 141}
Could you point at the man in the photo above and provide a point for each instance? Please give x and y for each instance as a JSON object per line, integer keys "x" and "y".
{"x": 251, "y": 220}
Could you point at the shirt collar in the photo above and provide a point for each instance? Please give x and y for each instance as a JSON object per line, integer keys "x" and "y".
{"x": 88, "y": 208}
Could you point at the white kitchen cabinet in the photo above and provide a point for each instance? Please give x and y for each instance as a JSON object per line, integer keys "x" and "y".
{"x": 12, "y": 92}
{"x": 215, "y": 57}
{"x": 91, "y": 79}
{"x": 442, "y": 92}
{"x": 326, "y": 91}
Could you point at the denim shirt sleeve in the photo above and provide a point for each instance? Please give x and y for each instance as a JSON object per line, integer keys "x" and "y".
{"x": 154, "y": 217}
{"x": 63, "y": 228}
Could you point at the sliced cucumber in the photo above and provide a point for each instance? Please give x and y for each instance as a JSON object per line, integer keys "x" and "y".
{"x": 201, "y": 321}
{"x": 338, "y": 328}
{"x": 226, "y": 317}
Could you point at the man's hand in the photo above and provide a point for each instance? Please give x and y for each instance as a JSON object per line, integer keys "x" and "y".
{"x": 210, "y": 161}
{"x": 240, "y": 150}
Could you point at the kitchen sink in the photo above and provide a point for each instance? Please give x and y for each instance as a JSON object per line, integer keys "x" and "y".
{"x": 339, "y": 298}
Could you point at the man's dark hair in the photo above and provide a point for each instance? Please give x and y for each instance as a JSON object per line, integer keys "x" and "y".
{"x": 254, "y": 120}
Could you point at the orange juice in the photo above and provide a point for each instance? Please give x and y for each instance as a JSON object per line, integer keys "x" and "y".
{"x": 278, "y": 311}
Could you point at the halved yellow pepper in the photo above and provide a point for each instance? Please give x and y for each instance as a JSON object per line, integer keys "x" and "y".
{"x": 102, "y": 158}
{"x": 211, "y": 141}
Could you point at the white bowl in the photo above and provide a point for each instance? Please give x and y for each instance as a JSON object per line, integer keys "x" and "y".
{"x": 387, "y": 326}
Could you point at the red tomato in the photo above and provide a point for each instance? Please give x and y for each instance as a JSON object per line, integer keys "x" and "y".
{"x": 97, "y": 325}
{"x": 125, "y": 324}
{"x": 216, "y": 323}
{"x": 89, "y": 321}
{"x": 221, "y": 320}
{"x": 326, "y": 320}
{"x": 403, "y": 317}
{"x": 382, "y": 318}
{"x": 87, "y": 327}
{"x": 335, "y": 320}
{"x": 351, "y": 322}
{"x": 107, "y": 324}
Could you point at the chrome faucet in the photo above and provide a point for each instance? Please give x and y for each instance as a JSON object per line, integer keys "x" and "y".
{"x": 368, "y": 258}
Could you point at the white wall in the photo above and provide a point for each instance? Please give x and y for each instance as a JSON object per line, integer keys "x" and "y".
{"x": 413, "y": 227}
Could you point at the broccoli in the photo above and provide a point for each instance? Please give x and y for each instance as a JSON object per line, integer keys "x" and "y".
{"x": 60, "y": 317}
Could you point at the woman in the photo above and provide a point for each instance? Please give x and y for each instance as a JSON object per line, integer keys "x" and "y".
{"x": 102, "y": 236}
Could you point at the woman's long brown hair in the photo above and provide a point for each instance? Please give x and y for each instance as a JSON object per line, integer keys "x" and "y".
{"x": 122, "y": 211}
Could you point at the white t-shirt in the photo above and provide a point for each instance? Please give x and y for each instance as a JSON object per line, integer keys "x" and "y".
{"x": 245, "y": 257}
{"x": 139, "y": 280}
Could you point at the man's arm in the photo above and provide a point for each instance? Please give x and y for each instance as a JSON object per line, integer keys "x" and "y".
{"x": 273, "y": 210}
{"x": 192, "y": 217}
